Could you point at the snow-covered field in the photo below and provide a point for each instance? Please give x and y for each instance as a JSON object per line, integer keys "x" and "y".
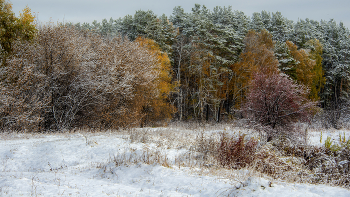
{"x": 109, "y": 164}
{"x": 315, "y": 138}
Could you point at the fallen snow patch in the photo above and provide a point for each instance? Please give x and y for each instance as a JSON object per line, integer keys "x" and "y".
{"x": 83, "y": 165}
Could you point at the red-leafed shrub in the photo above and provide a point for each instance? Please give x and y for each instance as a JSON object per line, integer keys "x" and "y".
{"x": 236, "y": 153}
{"x": 276, "y": 100}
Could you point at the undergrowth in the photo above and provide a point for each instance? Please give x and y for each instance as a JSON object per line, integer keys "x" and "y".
{"x": 225, "y": 151}
{"x": 282, "y": 158}
{"x": 236, "y": 153}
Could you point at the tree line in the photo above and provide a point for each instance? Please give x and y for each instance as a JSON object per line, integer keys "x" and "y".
{"x": 206, "y": 65}
{"x": 212, "y": 62}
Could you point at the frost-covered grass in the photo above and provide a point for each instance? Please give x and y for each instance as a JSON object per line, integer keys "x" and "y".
{"x": 319, "y": 137}
{"x": 171, "y": 161}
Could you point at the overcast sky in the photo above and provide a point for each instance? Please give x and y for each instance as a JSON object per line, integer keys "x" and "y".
{"x": 89, "y": 10}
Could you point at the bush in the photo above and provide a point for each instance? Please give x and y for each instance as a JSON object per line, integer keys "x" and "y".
{"x": 274, "y": 100}
{"x": 236, "y": 153}
{"x": 65, "y": 78}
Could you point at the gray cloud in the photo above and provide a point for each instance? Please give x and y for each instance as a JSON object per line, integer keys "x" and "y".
{"x": 89, "y": 10}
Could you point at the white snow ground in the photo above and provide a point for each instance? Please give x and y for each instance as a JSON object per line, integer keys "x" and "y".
{"x": 315, "y": 138}
{"x": 81, "y": 164}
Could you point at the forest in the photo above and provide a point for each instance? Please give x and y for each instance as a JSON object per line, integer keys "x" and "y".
{"x": 205, "y": 103}
{"x": 146, "y": 70}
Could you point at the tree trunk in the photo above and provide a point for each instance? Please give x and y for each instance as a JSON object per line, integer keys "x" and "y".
{"x": 218, "y": 114}
{"x": 207, "y": 113}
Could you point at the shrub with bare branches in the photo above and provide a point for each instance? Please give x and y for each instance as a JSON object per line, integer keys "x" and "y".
{"x": 67, "y": 78}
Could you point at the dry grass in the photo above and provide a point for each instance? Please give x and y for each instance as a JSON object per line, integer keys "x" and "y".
{"x": 225, "y": 151}
{"x": 285, "y": 159}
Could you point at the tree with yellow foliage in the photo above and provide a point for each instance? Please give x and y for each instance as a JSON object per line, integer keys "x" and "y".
{"x": 26, "y": 24}
{"x": 257, "y": 56}
{"x": 153, "y": 98}
{"x": 308, "y": 68}
{"x": 13, "y": 28}
{"x": 318, "y": 79}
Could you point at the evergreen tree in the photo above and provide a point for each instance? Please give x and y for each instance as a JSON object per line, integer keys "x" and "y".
{"x": 280, "y": 27}
{"x": 266, "y": 19}
{"x": 256, "y": 23}
{"x": 287, "y": 63}
{"x": 336, "y": 46}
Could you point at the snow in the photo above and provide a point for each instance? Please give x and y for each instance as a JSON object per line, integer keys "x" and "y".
{"x": 84, "y": 164}
{"x": 314, "y": 137}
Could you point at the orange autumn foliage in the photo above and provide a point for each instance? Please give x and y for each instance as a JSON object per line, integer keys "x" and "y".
{"x": 304, "y": 65}
{"x": 258, "y": 56}
{"x": 309, "y": 67}
{"x": 153, "y": 98}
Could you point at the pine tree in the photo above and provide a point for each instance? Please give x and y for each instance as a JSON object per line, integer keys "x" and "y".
{"x": 256, "y": 22}
{"x": 280, "y": 27}
{"x": 336, "y": 62}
